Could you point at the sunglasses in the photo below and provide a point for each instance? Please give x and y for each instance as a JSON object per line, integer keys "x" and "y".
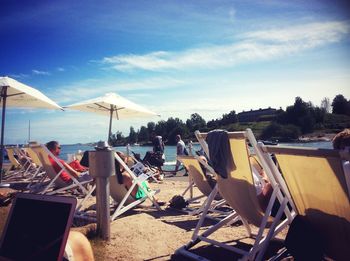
{"x": 59, "y": 148}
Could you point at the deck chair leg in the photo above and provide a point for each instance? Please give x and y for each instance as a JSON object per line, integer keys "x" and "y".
{"x": 271, "y": 232}
{"x": 205, "y": 211}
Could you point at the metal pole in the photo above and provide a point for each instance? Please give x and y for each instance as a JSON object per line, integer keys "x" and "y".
{"x": 3, "y": 96}
{"x": 101, "y": 167}
{"x": 110, "y": 125}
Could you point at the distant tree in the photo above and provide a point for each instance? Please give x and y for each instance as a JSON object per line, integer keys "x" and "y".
{"x": 143, "y": 135}
{"x": 326, "y": 104}
{"x": 196, "y": 122}
{"x": 132, "y": 135}
{"x": 340, "y": 105}
{"x": 280, "y": 132}
{"x": 229, "y": 118}
{"x": 301, "y": 114}
{"x": 151, "y": 126}
{"x": 160, "y": 128}
{"x": 213, "y": 124}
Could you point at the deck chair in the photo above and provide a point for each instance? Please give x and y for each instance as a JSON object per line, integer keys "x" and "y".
{"x": 239, "y": 192}
{"x": 55, "y": 184}
{"x": 197, "y": 178}
{"x": 15, "y": 167}
{"x": 317, "y": 185}
{"x": 121, "y": 196}
{"x": 39, "y": 170}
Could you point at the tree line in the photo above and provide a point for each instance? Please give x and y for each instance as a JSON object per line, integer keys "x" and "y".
{"x": 286, "y": 125}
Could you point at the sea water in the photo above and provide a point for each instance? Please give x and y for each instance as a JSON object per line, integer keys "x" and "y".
{"x": 170, "y": 151}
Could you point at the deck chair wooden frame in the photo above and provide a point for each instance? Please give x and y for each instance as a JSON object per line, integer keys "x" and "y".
{"x": 39, "y": 171}
{"x": 240, "y": 193}
{"x": 317, "y": 184}
{"x": 121, "y": 196}
{"x": 15, "y": 167}
{"x": 197, "y": 178}
{"x": 55, "y": 180}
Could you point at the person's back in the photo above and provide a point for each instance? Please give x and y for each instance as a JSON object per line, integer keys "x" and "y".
{"x": 158, "y": 145}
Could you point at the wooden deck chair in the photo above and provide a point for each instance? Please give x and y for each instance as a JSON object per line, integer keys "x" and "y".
{"x": 122, "y": 196}
{"x": 15, "y": 167}
{"x": 317, "y": 185}
{"x": 197, "y": 178}
{"x": 138, "y": 166}
{"x": 239, "y": 192}
{"x": 39, "y": 171}
{"x": 56, "y": 184}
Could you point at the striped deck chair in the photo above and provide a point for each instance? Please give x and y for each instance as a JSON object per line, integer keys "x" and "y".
{"x": 317, "y": 185}
{"x": 239, "y": 192}
{"x": 122, "y": 196}
{"x": 198, "y": 178}
{"x": 56, "y": 184}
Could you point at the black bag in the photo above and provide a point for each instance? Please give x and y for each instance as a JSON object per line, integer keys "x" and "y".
{"x": 178, "y": 202}
{"x": 303, "y": 241}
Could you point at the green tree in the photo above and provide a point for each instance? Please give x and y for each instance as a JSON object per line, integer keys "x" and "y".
{"x": 196, "y": 122}
{"x": 151, "y": 126}
{"x": 229, "y": 118}
{"x": 132, "y": 135}
{"x": 326, "y": 104}
{"x": 143, "y": 135}
{"x": 340, "y": 105}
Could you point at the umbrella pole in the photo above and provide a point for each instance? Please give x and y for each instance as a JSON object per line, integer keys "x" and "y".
{"x": 110, "y": 125}
{"x": 3, "y": 95}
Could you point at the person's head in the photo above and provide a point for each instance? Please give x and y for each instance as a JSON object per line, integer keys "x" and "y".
{"x": 341, "y": 140}
{"x": 54, "y": 147}
{"x": 178, "y": 137}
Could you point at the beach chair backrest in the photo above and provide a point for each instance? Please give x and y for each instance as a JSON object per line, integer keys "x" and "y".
{"x": 195, "y": 171}
{"x": 118, "y": 191}
{"x": 43, "y": 154}
{"x": 317, "y": 184}
{"x": 239, "y": 189}
{"x": 11, "y": 155}
{"x": 33, "y": 156}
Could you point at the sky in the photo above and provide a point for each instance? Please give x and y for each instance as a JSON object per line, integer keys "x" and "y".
{"x": 175, "y": 58}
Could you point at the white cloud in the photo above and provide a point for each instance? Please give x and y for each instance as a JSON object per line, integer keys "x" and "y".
{"x": 19, "y": 76}
{"x": 91, "y": 88}
{"x": 37, "y": 72}
{"x": 252, "y": 46}
{"x": 60, "y": 69}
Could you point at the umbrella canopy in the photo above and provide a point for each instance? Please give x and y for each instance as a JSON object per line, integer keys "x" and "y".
{"x": 114, "y": 106}
{"x": 16, "y": 94}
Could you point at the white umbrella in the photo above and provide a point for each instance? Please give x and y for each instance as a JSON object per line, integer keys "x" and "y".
{"x": 114, "y": 106}
{"x": 16, "y": 94}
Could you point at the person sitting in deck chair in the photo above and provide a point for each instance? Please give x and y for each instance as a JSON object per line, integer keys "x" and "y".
{"x": 155, "y": 157}
{"x": 74, "y": 168}
{"x": 124, "y": 177}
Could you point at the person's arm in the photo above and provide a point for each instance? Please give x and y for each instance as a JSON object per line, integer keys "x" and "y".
{"x": 71, "y": 171}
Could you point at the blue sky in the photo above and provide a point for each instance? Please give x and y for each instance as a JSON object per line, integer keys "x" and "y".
{"x": 173, "y": 57}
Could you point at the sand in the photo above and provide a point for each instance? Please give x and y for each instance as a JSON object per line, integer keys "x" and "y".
{"x": 146, "y": 233}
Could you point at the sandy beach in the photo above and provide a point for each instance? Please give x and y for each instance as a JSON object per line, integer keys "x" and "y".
{"x": 145, "y": 233}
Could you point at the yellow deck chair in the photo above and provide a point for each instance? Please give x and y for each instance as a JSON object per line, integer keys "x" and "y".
{"x": 317, "y": 185}
{"x": 39, "y": 171}
{"x": 239, "y": 192}
{"x": 122, "y": 196}
{"x": 15, "y": 167}
{"x": 197, "y": 178}
{"x": 56, "y": 184}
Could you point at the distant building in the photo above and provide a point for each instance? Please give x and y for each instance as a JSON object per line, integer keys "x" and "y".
{"x": 256, "y": 115}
